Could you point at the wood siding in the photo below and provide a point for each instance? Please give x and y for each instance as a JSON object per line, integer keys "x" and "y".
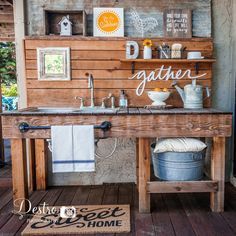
{"x": 6, "y": 21}
{"x": 101, "y": 57}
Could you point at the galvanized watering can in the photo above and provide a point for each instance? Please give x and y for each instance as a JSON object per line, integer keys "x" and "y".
{"x": 192, "y": 95}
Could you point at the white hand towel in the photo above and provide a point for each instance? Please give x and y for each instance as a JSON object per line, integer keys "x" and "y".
{"x": 83, "y": 150}
{"x": 62, "y": 149}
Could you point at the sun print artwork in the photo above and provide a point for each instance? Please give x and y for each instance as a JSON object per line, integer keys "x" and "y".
{"x": 108, "y": 22}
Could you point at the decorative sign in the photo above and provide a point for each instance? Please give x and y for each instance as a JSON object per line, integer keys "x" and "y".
{"x": 80, "y": 220}
{"x": 162, "y": 73}
{"x": 147, "y": 24}
{"x": 178, "y": 23}
{"x": 108, "y": 22}
{"x": 53, "y": 63}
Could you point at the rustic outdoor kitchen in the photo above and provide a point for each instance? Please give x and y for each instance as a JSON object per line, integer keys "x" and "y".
{"x": 102, "y": 74}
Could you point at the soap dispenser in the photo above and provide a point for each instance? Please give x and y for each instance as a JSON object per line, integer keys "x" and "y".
{"x": 123, "y": 102}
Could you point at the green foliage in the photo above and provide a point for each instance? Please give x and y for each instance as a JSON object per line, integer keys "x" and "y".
{"x": 10, "y": 91}
{"x": 7, "y": 63}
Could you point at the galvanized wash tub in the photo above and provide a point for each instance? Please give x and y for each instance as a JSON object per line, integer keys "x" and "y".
{"x": 178, "y": 166}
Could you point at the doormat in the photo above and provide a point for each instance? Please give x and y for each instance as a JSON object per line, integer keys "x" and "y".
{"x": 80, "y": 220}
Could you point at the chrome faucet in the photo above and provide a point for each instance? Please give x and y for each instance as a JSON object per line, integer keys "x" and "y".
{"x": 91, "y": 87}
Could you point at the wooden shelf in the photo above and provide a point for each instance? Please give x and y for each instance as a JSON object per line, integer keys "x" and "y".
{"x": 170, "y": 60}
{"x": 78, "y": 37}
{"x": 195, "y": 61}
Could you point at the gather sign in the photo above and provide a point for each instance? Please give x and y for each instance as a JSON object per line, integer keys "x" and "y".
{"x": 163, "y": 73}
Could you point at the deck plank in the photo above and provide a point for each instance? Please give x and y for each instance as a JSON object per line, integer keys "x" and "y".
{"x": 8, "y": 228}
{"x": 143, "y": 222}
{"x": 178, "y": 216}
{"x": 126, "y": 196}
{"x": 66, "y": 196}
{"x": 195, "y": 216}
{"x": 110, "y": 196}
{"x": 216, "y": 221}
{"x": 81, "y": 196}
{"x": 96, "y": 195}
{"x": 50, "y": 198}
{"x": 172, "y": 214}
{"x": 160, "y": 217}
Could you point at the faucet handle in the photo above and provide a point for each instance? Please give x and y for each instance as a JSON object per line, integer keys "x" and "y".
{"x": 81, "y": 101}
{"x": 112, "y": 102}
{"x": 106, "y": 98}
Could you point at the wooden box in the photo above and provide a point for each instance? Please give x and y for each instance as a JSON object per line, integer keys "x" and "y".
{"x": 78, "y": 19}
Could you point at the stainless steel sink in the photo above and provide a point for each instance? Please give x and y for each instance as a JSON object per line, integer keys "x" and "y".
{"x": 54, "y": 109}
{"x": 70, "y": 110}
{"x": 96, "y": 110}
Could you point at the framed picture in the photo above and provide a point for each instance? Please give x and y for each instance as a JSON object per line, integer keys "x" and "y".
{"x": 53, "y": 63}
{"x": 108, "y": 22}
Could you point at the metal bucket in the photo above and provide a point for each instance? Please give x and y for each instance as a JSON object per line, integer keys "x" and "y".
{"x": 178, "y": 166}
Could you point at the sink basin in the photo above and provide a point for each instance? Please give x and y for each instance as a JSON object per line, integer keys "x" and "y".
{"x": 70, "y": 110}
{"x": 96, "y": 110}
{"x": 53, "y": 109}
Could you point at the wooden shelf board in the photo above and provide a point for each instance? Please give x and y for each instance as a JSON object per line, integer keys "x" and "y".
{"x": 78, "y": 37}
{"x": 182, "y": 186}
{"x": 169, "y": 60}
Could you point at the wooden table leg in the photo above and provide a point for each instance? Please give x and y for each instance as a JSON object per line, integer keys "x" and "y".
{"x": 19, "y": 174}
{"x": 218, "y": 173}
{"x": 144, "y": 175}
{"x": 31, "y": 158}
{"x": 41, "y": 164}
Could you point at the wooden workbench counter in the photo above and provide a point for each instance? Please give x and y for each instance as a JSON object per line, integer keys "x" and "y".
{"x": 131, "y": 122}
{"x": 139, "y": 123}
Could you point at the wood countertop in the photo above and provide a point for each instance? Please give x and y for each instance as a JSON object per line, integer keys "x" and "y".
{"x": 123, "y": 111}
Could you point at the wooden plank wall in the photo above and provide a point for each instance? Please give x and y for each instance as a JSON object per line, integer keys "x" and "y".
{"x": 6, "y": 21}
{"x": 101, "y": 57}
{"x": 148, "y": 8}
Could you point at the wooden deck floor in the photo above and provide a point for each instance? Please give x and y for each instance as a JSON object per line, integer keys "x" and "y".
{"x": 172, "y": 214}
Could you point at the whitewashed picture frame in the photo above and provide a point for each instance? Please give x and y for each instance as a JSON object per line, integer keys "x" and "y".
{"x": 53, "y": 63}
{"x": 108, "y": 22}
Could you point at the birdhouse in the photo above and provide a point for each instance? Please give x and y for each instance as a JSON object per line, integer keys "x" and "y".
{"x": 66, "y": 26}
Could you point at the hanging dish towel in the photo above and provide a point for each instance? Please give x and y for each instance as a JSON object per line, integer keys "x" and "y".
{"x": 72, "y": 148}
{"x": 62, "y": 149}
{"x": 83, "y": 141}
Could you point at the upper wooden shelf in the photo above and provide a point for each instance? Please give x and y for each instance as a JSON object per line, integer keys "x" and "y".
{"x": 169, "y": 60}
{"x": 79, "y": 37}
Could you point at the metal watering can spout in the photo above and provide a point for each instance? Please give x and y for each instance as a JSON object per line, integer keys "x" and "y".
{"x": 179, "y": 90}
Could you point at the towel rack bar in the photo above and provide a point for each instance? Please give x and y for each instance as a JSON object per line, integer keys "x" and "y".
{"x": 24, "y": 127}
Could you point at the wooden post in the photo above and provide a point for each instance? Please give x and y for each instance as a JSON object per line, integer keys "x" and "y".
{"x": 144, "y": 175}
{"x": 19, "y": 23}
{"x": 218, "y": 173}
{"x": 31, "y": 159}
{"x": 19, "y": 173}
{"x": 41, "y": 164}
{"x": 137, "y": 163}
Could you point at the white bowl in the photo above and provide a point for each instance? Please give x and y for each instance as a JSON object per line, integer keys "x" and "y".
{"x": 158, "y": 98}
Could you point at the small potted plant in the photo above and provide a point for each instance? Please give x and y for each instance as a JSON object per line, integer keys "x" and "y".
{"x": 147, "y": 52}
{"x": 9, "y": 97}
